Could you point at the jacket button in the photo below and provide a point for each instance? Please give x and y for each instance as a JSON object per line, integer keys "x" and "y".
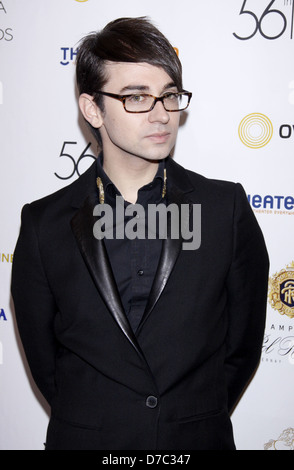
{"x": 151, "y": 402}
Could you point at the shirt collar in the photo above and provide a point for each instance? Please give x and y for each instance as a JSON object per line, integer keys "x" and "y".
{"x": 149, "y": 193}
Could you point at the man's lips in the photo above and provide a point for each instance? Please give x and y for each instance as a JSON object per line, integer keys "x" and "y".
{"x": 159, "y": 137}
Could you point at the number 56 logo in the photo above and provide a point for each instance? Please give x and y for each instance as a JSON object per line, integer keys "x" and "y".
{"x": 269, "y": 16}
{"x": 74, "y": 163}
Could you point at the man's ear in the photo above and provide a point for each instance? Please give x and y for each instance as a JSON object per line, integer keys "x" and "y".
{"x": 90, "y": 110}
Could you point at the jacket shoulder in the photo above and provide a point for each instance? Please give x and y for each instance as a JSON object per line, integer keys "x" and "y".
{"x": 73, "y": 194}
{"x": 200, "y": 183}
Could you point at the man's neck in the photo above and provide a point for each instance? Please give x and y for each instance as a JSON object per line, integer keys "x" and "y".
{"x": 129, "y": 174}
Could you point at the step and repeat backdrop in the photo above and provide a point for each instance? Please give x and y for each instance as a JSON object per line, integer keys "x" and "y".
{"x": 237, "y": 58}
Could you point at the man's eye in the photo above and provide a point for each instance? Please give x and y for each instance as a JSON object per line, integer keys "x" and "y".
{"x": 137, "y": 98}
{"x": 172, "y": 96}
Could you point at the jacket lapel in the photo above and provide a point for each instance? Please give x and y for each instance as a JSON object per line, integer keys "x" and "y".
{"x": 96, "y": 258}
{"x": 177, "y": 187}
{"x": 94, "y": 251}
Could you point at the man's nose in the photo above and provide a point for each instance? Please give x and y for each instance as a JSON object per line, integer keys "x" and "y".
{"x": 159, "y": 114}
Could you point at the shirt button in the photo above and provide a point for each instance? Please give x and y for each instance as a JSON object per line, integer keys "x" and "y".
{"x": 151, "y": 402}
{"x": 140, "y": 272}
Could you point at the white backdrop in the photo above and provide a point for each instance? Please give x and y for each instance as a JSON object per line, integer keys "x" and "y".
{"x": 231, "y": 79}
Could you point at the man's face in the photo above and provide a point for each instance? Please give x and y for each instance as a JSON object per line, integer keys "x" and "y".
{"x": 149, "y": 135}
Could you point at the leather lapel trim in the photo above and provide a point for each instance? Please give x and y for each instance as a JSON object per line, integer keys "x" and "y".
{"x": 96, "y": 259}
{"x": 171, "y": 249}
{"x": 170, "y": 252}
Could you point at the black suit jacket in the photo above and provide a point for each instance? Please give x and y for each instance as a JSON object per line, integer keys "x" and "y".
{"x": 172, "y": 384}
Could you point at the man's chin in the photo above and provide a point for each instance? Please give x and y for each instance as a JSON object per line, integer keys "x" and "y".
{"x": 153, "y": 154}
{"x": 157, "y": 155}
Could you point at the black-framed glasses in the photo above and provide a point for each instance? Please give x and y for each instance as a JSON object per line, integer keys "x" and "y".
{"x": 144, "y": 103}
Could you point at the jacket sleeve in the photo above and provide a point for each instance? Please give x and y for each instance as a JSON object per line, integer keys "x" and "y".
{"x": 247, "y": 286}
{"x": 34, "y": 306}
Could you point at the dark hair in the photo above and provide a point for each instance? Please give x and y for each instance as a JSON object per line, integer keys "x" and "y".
{"x": 123, "y": 40}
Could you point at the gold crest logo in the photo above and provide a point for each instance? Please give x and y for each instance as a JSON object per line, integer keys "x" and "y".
{"x": 284, "y": 442}
{"x": 281, "y": 291}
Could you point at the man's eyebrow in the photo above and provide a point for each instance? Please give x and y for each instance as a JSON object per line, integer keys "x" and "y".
{"x": 145, "y": 88}
{"x": 134, "y": 88}
{"x": 168, "y": 86}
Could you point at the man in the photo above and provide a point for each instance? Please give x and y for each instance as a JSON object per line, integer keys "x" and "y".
{"x": 136, "y": 342}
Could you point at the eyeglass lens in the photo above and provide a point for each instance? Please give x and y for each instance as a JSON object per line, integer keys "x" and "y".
{"x": 141, "y": 103}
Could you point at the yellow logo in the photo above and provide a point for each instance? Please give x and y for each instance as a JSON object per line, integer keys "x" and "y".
{"x": 81, "y": 1}
{"x": 255, "y": 130}
{"x": 281, "y": 291}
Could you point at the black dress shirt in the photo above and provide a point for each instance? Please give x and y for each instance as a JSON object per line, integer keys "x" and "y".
{"x": 134, "y": 262}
